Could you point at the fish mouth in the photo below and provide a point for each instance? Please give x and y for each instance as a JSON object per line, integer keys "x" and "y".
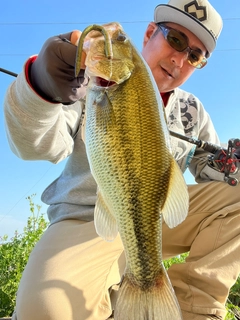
{"x": 101, "y": 82}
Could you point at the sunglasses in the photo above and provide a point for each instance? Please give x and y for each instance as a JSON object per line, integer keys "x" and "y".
{"x": 179, "y": 41}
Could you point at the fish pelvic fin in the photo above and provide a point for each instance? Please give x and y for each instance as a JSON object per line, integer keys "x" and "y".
{"x": 156, "y": 303}
{"x": 105, "y": 223}
{"x": 175, "y": 208}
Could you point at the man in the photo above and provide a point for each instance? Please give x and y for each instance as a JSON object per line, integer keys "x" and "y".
{"x": 72, "y": 271}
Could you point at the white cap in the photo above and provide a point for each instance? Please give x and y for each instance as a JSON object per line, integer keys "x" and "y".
{"x": 198, "y": 16}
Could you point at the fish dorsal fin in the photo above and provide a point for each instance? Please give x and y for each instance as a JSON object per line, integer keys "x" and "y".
{"x": 175, "y": 208}
{"x": 105, "y": 223}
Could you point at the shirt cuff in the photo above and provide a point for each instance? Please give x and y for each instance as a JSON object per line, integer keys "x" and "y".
{"x": 27, "y": 69}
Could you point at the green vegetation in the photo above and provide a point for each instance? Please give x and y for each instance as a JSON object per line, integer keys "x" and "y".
{"x": 14, "y": 255}
{"x": 233, "y": 304}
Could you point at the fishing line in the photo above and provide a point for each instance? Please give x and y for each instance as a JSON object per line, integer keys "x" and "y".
{"x": 110, "y": 75}
{"x": 27, "y": 193}
{"x": 89, "y": 22}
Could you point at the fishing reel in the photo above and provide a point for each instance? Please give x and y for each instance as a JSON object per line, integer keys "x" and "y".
{"x": 225, "y": 160}
{"x": 221, "y": 159}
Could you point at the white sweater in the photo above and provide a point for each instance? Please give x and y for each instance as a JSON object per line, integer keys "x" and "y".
{"x": 40, "y": 130}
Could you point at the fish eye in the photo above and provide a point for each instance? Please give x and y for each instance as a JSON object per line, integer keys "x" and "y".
{"x": 121, "y": 37}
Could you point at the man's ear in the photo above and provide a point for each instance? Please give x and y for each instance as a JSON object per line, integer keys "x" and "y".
{"x": 149, "y": 32}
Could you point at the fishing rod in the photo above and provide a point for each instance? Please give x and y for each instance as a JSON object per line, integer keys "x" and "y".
{"x": 223, "y": 160}
{"x": 8, "y": 72}
{"x": 207, "y": 146}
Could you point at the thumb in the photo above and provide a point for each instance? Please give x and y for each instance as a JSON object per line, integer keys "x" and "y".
{"x": 75, "y": 37}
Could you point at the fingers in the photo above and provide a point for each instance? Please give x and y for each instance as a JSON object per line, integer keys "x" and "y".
{"x": 67, "y": 46}
{"x": 74, "y": 40}
{"x": 75, "y": 37}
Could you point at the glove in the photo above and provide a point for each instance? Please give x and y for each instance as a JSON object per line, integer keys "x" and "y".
{"x": 52, "y": 73}
{"x": 237, "y": 153}
{"x": 237, "y": 150}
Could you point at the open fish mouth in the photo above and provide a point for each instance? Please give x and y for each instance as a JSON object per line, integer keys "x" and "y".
{"x": 101, "y": 82}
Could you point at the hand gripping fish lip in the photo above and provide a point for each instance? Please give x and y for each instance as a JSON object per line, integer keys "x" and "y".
{"x": 108, "y": 47}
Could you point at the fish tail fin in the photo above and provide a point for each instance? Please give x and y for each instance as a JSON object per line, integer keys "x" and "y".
{"x": 156, "y": 303}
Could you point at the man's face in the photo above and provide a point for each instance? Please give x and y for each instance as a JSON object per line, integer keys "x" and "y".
{"x": 170, "y": 68}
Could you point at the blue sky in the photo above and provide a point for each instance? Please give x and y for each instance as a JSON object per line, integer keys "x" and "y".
{"x": 25, "y": 25}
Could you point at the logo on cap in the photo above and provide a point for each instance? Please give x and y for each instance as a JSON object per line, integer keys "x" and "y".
{"x": 198, "y": 12}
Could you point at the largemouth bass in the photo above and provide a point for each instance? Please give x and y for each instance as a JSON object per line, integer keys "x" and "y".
{"x": 139, "y": 182}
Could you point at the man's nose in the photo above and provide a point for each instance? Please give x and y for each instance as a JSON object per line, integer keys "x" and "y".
{"x": 178, "y": 58}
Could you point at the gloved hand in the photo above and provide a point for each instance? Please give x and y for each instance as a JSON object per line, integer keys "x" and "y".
{"x": 218, "y": 162}
{"x": 237, "y": 153}
{"x": 52, "y": 73}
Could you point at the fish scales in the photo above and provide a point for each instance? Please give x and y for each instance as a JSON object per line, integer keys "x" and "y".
{"x": 138, "y": 180}
{"x": 137, "y": 184}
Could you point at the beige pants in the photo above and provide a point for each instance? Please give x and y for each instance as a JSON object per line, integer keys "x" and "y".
{"x": 71, "y": 269}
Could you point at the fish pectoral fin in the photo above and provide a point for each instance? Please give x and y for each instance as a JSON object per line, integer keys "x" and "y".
{"x": 105, "y": 222}
{"x": 175, "y": 208}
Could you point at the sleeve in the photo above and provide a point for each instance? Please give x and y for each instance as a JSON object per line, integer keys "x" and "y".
{"x": 199, "y": 165}
{"x": 37, "y": 129}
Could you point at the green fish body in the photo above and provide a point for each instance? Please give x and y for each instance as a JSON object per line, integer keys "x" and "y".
{"x": 138, "y": 180}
